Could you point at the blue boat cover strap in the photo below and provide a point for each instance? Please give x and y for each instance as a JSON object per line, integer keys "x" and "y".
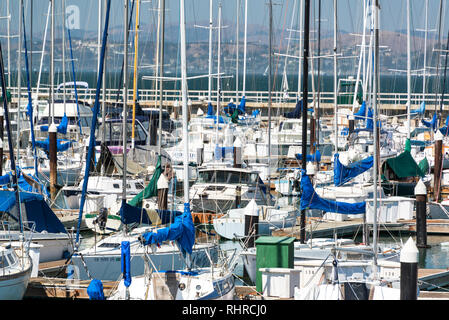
{"x": 343, "y": 174}
{"x": 311, "y": 200}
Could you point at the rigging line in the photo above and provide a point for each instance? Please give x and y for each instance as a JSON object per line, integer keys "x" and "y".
{"x": 273, "y": 86}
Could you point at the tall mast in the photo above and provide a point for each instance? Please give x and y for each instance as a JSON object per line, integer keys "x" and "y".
{"x": 409, "y": 63}
{"x": 218, "y": 71}
{"x": 185, "y": 135}
{"x": 8, "y": 26}
{"x": 317, "y": 113}
{"x": 335, "y": 79}
{"x": 245, "y": 40}
{"x": 237, "y": 55}
{"x": 305, "y": 80}
{"x": 103, "y": 105}
{"x": 301, "y": 46}
{"x": 209, "y": 95}
{"x": 125, "y": 101}
{"x": 425, "y": 54}
{"x": 63, "y": 54}
{"x": 99, "y": 37}
{"x": 376, "y": 137}
{"x": 161, "y": 81}
{"x": 19, "y": 79}
{"x": 136, "y": 53}
{"x": 269, "y": 100}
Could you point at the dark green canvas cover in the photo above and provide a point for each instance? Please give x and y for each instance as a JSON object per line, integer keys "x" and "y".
{"x": 404, "y": 166}
{"x": 151, "y": 189}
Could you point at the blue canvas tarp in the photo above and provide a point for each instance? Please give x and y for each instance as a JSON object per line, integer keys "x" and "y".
{"x": 310, "y": 200}
{"x": 62, "y": 127}
{"x": 421, "y": 109}
{"x": 61, "y": 144}
{"x": 316, "y": 157}
{"x": 343, "y": 174}
{"x": 130, "y": 214}
{"x": 431, "y": 124}
{"x": 295, "y": 113}
{"x": 126, "y": 263}
{"x": 182, "y": 231}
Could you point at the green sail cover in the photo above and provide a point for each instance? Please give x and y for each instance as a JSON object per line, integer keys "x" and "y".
{"x": 424, "y": 165}
{"x": 151, "y": 189}
{"x": 405, "y": 166}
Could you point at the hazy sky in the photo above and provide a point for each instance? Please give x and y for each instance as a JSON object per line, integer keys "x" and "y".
{"x": 392, "y": 16}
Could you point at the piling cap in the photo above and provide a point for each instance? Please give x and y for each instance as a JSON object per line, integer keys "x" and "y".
{"x": 200, "y": 112}
{"x": 176, "y": 104}
{"x": 420, "y": 188}
{"x": 237, "y": 142}
{"x": 189, "y": 102}
{"x": 53, "y": 128}
{"x": 310, "y": 169}
{"x": 2, "y": 112}
{"x": 1, "y": 144}
{"x": 409, "y": 253}
{"x": 438, "y": 136}
{"x": 252, "y": 209}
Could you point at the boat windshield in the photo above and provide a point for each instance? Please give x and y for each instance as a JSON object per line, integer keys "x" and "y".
{"x": 230, "y": 177}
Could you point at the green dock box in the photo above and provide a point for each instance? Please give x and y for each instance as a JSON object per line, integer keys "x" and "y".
{"x": 273, "y": 252}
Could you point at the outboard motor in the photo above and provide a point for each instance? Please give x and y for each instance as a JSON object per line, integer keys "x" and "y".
{"x": 102, "y": 218}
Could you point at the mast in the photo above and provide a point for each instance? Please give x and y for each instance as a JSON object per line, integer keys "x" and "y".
{"x": 335, "y": 79}
{"x": 210, "y": 52}
{"x": 99, "y": 37}
{"x": 43, "y": 50}
{"x": 63, "y": 53}
{"x": 19, "y": 79}
{"x": 125, "y": 102}
{"x": 376, "y": 137}
{"x": 237, "y": 56}
{"x": 136, "y": 52}
{"x": 301, "y": 46}
{"x": 425, "y": 54}
{"x": 161, "y": 81}
{"x": 8, "y": 26}
{"x": 409, "y": 63}
{"x": 305, "y": 80}
{"x": 245, "y": 40}
{"x": 317, "y": 114}
{"x": 269, "y": 102}
{"x": 185, "y": 135}
{"x": 103, "y": 109}
{"x": 218, "y": 71}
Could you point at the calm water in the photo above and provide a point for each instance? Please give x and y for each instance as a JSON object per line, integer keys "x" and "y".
{"x": 435, "y": 257}
{"x": 254, "y": 82}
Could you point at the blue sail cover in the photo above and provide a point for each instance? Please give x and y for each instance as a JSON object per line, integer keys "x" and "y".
{"x": 210, "y": 109}
{"x": 95, "y": 290}
{"x": 38, "y": 213}
{"x": 360, "y": 115}
{"x": 62, "y": 126}
{"x": 343, "y": 174}
{"x": 295, "y": 113}
{"x": 310, "y": 200}
{"x": 431, "y": 124}
{"x": 130, "y": 214}
{"x": 126, "y": 263}
{"x": 182, "y": 231}
{"x": 60, "y": 146}
{"x": 316, "y": 157}
{"x": 421, "y": 109}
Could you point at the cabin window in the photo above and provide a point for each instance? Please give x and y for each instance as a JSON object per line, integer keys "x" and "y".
{"x": 109, "y": 245}
{"x": 116, "y": 186}
{"x": 3, "y": 261}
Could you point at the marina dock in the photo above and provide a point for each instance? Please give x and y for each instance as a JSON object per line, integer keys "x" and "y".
{"x": 317, "y": 228}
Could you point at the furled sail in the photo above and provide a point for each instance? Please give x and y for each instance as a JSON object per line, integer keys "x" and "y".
{"x": 182, "y": 231}
{"x": 311, "y": 200}
{"x": 316, "y": 157}
{"x": 343, "y": 174}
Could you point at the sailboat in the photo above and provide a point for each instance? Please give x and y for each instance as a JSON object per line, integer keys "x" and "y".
{"x": 214, "y": 282}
